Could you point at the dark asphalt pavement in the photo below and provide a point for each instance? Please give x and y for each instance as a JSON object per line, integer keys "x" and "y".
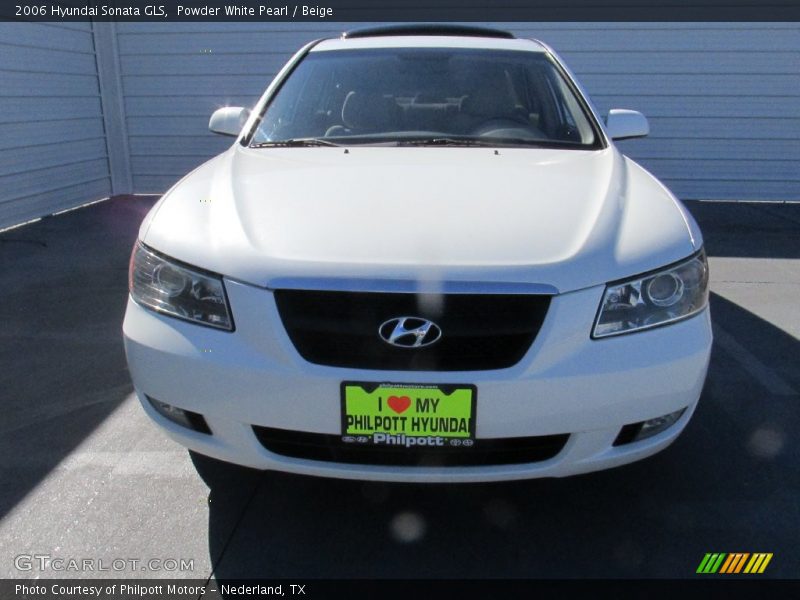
{"x": 86, "y": 475}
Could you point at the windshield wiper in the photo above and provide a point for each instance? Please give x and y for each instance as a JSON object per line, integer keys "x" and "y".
{"x": 444, "y": 141}
{"x": 294, "y": 143}
{"x": 494, "y": 142}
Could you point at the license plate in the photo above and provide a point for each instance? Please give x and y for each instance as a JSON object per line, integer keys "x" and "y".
{"x": 390, "y": 414}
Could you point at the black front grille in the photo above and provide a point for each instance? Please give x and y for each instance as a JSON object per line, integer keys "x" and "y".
{"x": 485, "y": 452}
{"x": 478, "y": 331}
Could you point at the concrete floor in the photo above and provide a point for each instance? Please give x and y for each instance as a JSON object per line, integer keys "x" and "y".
{"x": 85, "y": 475}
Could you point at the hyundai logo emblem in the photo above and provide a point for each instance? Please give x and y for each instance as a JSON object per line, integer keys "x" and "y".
{"x": 410, "y": 332}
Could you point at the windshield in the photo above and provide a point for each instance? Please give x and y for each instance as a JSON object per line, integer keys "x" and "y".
{"x": 437, "y": 96}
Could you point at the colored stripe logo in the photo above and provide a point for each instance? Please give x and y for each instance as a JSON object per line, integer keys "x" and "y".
{"x": 734, "y": 562}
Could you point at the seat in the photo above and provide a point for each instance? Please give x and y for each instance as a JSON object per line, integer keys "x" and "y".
{"x": 365, "y": 113}
{"x": 491, "y": 103}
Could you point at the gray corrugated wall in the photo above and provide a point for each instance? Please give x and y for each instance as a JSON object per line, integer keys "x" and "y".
{"x": 174, "y": 75}
{"x": 722, "y": 98}
{"x": 52, "y": 139}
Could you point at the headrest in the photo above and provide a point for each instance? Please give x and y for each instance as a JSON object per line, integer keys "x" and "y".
{"x": 369, "y": 111}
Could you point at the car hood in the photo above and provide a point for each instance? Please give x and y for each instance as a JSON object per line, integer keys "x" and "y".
{"x": 334, "y": 217}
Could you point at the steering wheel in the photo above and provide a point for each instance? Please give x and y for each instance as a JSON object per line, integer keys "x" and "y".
{"x": 507, "y": 127}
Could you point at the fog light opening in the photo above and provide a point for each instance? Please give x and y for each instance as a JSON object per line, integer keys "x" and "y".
{"x": 636, "y": 432}
{"x": 184, "y": 418}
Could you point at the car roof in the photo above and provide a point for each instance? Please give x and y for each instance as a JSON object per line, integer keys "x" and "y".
{"x": 428, "y": 41}
{"x": 428, "y": 29}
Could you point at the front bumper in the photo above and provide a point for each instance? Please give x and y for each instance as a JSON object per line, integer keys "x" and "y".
{"x": 567, "y": 383}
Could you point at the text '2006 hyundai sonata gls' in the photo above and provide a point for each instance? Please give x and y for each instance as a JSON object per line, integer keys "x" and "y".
{"x": 423, "y": 259}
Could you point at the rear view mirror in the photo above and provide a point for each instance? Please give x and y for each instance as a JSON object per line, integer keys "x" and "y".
{"x": 623, "y": 124}
{"x": 228, "y": 120}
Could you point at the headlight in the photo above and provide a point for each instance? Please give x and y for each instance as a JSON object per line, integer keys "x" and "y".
{"x": 178, "y": 290}
{"x": 662, "y": 297}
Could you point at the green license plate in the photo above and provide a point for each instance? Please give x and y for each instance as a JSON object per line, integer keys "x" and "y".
{"x": 392, "y": 414}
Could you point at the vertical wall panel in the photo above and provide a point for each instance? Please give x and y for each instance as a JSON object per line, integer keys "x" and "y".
{"x": 721, "y": 97}
{"x": 52, "y": 139}
{"x": 174, "y": 75}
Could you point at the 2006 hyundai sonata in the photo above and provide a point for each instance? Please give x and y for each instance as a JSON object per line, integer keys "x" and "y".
{"x": 423, "y": 259}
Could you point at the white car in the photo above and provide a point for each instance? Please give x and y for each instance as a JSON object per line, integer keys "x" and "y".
{"x": 423, "y": 259}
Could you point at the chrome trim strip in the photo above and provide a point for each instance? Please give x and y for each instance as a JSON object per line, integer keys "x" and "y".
{"x": 410, "y": 286}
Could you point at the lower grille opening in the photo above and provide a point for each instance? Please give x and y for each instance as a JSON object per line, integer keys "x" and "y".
{"x": 485, "y": 452}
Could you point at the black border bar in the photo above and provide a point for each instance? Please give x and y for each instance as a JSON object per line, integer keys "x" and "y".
{"x": 707, "y": 587}
{"x": 396, "y": 10}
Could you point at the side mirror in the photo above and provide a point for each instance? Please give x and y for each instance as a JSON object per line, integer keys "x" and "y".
{"x": 623, "y": 124}
{"x": 228, "y": 120}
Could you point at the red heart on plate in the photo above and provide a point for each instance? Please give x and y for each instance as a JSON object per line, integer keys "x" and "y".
{"x": 398, "y": 404}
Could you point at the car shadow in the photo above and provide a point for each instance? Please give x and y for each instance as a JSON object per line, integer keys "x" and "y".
{"x": 729, "y": 483}
{"x": 748, "y": 229}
